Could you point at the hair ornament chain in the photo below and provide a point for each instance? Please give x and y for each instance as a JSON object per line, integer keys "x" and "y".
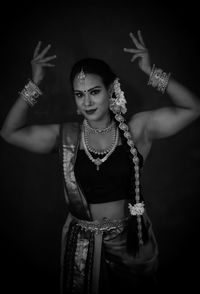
{"x": 123, "y": 127}
{"x": 138, "y": 208}
{"x": 127, "y": 135}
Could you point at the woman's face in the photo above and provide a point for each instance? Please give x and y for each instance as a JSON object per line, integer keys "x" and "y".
{"x": 92, "y": 97}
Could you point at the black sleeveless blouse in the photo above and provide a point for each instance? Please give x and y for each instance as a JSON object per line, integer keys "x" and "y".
{"x": 113, "y": 181}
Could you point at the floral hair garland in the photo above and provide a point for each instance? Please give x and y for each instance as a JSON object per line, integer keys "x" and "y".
{"x": 118, "y": 104}
{"x": 118, "y": 107}
{"x": 137, "y": 208}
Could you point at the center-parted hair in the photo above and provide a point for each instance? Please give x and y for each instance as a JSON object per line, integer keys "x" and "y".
{"x": 93, "y": 66}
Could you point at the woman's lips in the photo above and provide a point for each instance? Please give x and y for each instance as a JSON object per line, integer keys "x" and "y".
{"x": 91, "y": 111}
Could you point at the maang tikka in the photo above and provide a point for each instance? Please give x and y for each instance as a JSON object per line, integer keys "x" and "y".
{"x": 81, "y": 76}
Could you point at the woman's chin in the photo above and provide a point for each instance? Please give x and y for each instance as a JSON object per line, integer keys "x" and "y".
{"x": 96, "y": 116}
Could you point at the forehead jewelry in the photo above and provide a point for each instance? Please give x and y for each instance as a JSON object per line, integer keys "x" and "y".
{"x": 81, "y": 76}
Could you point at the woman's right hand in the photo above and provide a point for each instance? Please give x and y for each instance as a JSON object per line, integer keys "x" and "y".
{"x": 39, "y": 62}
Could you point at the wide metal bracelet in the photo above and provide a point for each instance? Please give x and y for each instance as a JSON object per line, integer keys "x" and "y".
{"x": 30, "y": 93}
{"x": 159, "y": 79}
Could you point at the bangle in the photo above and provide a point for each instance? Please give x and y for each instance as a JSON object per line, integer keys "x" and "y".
{"x": 158, "y": 78}
{"x": 30, "y": 93}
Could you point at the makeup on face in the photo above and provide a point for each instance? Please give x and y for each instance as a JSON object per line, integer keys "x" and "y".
{"x": 90, "y": 112}
{"x": 92, "y": 91}
{"x": 91, "y": 97}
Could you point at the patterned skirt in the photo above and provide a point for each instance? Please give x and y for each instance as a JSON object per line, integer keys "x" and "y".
{"x": 101, "y": 257}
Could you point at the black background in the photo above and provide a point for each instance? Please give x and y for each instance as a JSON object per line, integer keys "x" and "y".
{"x": 33, "y": 208}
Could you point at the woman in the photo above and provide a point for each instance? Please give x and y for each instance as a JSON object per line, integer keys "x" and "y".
{"x": 108, "y": 242}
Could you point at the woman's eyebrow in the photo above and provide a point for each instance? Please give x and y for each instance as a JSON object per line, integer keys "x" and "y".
{"x": 91, "y": 89}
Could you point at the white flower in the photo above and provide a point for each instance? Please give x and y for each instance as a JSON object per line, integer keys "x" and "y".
{"x": 118, "y": 104}
{"x": 136, "y": 209}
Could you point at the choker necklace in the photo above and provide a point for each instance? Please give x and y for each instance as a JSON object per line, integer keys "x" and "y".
{"x": 98, "y": 161}
{"x": 99, "y": 151}
{"x": 98, "y": 130}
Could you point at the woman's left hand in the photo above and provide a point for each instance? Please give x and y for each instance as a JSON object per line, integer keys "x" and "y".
{"x": 140, "y": 52}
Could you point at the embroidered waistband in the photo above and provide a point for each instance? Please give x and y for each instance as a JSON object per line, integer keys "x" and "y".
{"x": 99, "y": 227}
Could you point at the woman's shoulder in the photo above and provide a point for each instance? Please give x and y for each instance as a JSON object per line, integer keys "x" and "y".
{"x": 69, "y": 125}
{"x": 70, "y": 128}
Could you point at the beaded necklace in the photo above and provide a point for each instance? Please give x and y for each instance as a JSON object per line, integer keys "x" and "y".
{"x": 98, "y": 130}
{"x": 109, "y": 129}
{"x": 98, "y": 161}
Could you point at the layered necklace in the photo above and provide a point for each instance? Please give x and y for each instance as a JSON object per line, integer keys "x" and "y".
{"x": 89, "y": 149}
{"x": 97, "y": 130}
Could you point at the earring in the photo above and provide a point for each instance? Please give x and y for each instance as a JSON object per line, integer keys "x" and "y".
{"x": 110, "y": 106}
{"x": 78, "y": 112}
{"x": 111, "y": 99}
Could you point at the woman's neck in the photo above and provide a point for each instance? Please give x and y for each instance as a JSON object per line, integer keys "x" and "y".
{"x": 99, "y": 124}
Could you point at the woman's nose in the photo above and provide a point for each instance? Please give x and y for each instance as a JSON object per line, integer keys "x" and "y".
{"x": 87, "y": 99}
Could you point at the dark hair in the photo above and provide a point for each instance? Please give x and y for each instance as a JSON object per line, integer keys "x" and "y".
{"x": 93, "y": 66}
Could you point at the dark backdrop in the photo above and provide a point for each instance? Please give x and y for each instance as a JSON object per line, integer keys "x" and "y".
{"x": 33, "y": 208}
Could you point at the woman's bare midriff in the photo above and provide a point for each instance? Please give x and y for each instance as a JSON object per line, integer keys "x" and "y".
{"x": 115, "y": 209}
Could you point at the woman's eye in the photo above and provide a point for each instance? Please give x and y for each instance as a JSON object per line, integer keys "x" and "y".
{"x": 95, "y": 92}
{"x": 78, "y": 95}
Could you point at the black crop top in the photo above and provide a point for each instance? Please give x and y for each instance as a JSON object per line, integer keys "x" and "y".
{"x": 113, "y": 181}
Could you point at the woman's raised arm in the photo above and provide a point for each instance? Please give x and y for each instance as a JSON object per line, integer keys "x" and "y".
{"x": 166, "y": 121}
{"x": 41, "y": 139}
